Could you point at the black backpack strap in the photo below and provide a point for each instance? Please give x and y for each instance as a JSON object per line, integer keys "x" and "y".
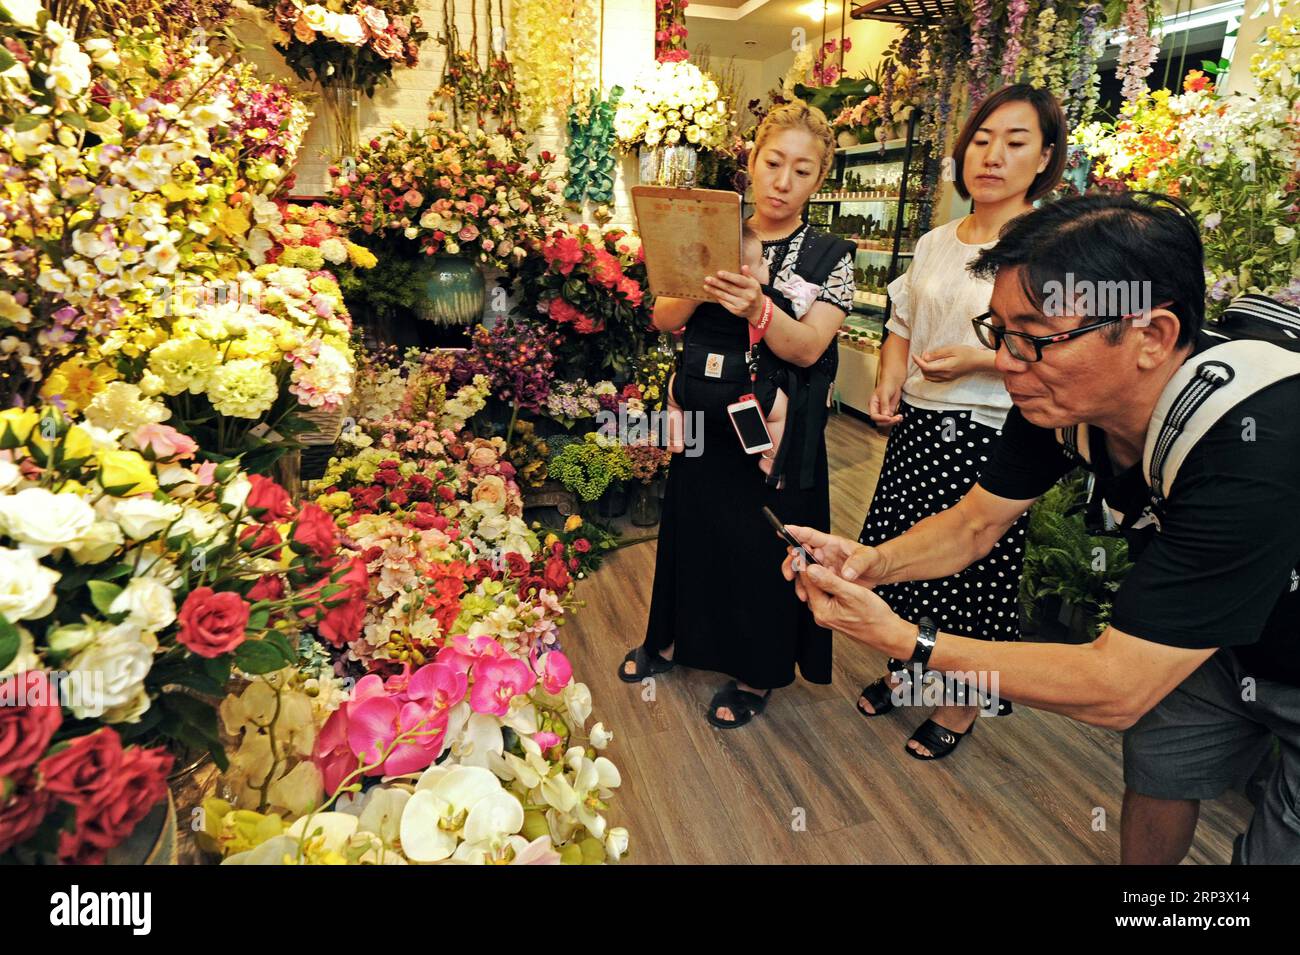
{"x": 1202, "y": 391}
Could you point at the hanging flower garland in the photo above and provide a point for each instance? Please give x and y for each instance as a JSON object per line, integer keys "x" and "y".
{"x": 555, "y": 58}
{"x": 1017, "y": 10}
{"x": 1044, "y": 45}
{"x": 670, "y": 30}
{"x": 470, "y": 83}
{"x": 1084, "y": 81}
{"x": 1139, "y": 51}
{"x": 981, "y": 53}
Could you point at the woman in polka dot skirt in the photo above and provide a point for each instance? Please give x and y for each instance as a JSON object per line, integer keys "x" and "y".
{"x": 939, "y": 393}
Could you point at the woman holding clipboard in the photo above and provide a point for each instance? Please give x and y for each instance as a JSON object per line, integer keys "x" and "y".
{"x": 719, "y": 601}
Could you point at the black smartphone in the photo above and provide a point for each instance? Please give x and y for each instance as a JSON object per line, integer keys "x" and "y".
{"x": 786, "y": 536}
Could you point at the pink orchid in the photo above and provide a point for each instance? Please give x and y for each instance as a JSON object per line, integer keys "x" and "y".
{"x": 546, "y": 740}
{"x": 555, "y": 671}
{"x": 441, "y": 685}
{"x": 464, "y": 652}
{"x": 497, "y": 682}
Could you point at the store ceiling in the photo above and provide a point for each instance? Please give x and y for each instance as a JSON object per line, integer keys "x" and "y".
{"x": 755, "y": 29}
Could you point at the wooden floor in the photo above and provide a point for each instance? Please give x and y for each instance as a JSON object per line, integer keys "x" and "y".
{"x": 811, "y": 781}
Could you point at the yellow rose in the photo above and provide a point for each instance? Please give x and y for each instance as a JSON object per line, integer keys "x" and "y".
{"x": 125, "y": 472}
{"x": 573, "y": 523}
{"x": 550, "y": 539}
{"x": 16, "y": 426}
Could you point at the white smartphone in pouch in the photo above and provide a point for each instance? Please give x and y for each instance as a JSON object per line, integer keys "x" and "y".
{"x": 751, "y": 427}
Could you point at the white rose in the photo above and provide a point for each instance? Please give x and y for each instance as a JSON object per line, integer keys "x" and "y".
{"x": 236, "y": 492}
{"x": 132, "y": 709}
{"x": 97, "y": 544}
{"x": 316, "y": 16}
{"x": 110, "y": 673}
{"x": 347, "y": 29}
{"x": 140, "y": 517}
{"x": 147, "y": 603}
{"x": 26, "y": 587}
{"x": 43, "y": 521}
{"x": 9, "y": 475}
{"x": 22, "y": 12}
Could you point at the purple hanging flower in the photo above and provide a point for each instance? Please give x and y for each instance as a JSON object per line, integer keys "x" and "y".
{"x": 980, "y": 49}
{"x": 1085, "y": 65}
{"x": 1017, "y": 10}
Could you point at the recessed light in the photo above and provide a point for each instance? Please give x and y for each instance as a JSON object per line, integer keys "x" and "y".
{"x": 751, "y": 43}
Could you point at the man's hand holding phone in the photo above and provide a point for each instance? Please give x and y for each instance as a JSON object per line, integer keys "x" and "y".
{"x": 838, "y": 589}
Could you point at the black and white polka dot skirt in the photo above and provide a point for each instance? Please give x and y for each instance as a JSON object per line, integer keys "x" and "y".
{"x": 931, "y": 461}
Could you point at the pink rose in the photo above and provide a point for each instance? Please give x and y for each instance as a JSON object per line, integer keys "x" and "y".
{"x": 162, "y": 442}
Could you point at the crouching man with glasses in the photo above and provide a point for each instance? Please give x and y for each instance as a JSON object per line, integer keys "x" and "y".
{"x": 1196, "y": 455}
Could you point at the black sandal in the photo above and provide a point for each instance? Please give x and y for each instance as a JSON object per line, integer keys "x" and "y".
{"x": 880, "y": 695}
{"x": 743, "y": 704}
{"x": 939, "y": 740}
{"x": 647, "y": 664}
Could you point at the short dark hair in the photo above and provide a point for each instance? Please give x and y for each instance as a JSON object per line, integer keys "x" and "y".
{"x": 1051, "y": 121}
{"x": 1130, "y": 237}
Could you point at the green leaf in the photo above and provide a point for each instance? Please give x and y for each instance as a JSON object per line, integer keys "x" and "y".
{"x": 75, "y": 120}
{"x": 281, "y": 643}
{"x": 218, "y": 667}
{"x": 97, "y": 113}
{"x": 9, "y": 642}
{"x": 6, "y": 59}
{"x": 258, "y": 620}
{"x": 102, "y": 594}
{"x": 258, "y": 656}
{"x": 27, "y": 122}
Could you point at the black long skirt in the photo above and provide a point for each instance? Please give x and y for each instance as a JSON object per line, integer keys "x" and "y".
{"x": 719, "y": 597}
{"x": 931, "y": 461}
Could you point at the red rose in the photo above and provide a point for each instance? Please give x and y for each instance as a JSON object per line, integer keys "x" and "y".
{"x": 25, "y": 730}
{"x": 556, "y": 575}
{"x": 212, "y": 623}
{"x": 315, "y": 530}
{"x": 517, "y": 565}
{"x": 446, "y": 492}
{"x": 397, "y": 497}
{"x": 346, "y": 612}
{"x": 387, "y": 477}
{"x": 419, "y": 487}
{"x": 267, "y": 501}
{"x": 270, "y": 587}
{"x": 21, "y": 815}
{"x": 137, "y": 785}
{"x": 582, "y": 545}
{"x": 86, "y": 769}
{"x": 259, "y": 537}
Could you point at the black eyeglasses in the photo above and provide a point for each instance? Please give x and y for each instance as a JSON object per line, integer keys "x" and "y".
{"x": 1025, "y": 347}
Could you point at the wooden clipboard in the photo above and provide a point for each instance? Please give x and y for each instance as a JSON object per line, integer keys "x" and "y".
{"x": 687, "y": 234}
